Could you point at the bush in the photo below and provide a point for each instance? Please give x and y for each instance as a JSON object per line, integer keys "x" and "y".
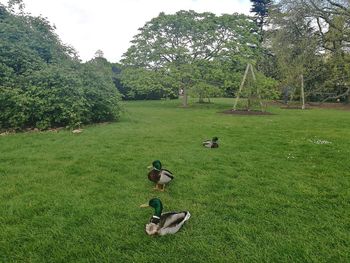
{"x": 43, "y": 84}
{"x": 102, "y": 97}
{"x": 14, "y": 108}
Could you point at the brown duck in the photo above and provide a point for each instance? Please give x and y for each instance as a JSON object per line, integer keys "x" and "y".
{"x": 159, "y": 176}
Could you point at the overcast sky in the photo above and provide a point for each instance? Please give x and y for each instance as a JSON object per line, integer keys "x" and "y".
{"x": 109, "y": 25}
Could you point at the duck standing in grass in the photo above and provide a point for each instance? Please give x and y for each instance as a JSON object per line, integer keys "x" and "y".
{"x": 160, "y": 176}
{"x": 164, "y": 223}
{"x": 213, "y": 143}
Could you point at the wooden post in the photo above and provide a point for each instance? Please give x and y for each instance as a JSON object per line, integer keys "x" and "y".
{"x": 302, "y": 92}
{"x": 241, "y": 87}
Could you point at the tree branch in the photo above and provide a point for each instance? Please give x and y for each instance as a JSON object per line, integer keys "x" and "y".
{"x": 336, "y": 97}
{"x": 337, "y": 5}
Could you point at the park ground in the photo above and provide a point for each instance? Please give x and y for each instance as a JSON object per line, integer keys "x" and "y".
{"x": 277, "y": 189}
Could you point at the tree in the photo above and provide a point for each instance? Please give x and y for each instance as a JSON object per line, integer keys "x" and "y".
{"x": 261, "y": 9}
{"x": 100, "y": 93}
{"x": 325, "y": 15}
{"x": 313, "y": 36}
{"x": 295, "y": 44}
{"x": 42, "y": 82}
{"x": 174, "y": 43}
{"x": 99, "y": 54}
{"x": 142, "y": 83}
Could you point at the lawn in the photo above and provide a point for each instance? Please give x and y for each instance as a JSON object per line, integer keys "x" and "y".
{"x": 277, "y": 189}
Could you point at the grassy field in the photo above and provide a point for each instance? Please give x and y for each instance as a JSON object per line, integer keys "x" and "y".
{"x": 277, "y": 189}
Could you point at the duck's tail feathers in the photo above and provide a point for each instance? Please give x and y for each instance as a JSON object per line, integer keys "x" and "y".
{"x": 188, "y": 215}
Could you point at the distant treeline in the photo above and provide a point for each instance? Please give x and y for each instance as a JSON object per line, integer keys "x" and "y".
{"x": 44, "y": 84}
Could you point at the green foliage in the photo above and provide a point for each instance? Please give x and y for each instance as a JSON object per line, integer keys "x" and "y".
{"x": 100, "y": 92}
{"x": 141, "y": 83}
{"x": 43, "y": 84}
{"x": 13, "y": 108}
{"x": 185, "y": 51}
{"x": 205, "y": 79}
{"x": 56, "y": 98}
{"x": 268, "y": 87}
{"x": 309, "y": 38}
{"x": 257, "y": 89}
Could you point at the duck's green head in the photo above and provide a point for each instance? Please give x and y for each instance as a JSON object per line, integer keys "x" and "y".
{"x": 157, "y": 165}
{"x": 215, "y": 139}
{"x": 156, "y": 204}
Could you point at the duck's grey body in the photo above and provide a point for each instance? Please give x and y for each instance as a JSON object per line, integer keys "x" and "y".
{"x": 210, "y": 144}
{"x": 168, "y": 223}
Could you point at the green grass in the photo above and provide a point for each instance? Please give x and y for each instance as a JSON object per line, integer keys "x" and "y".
{"x": 268, "y": 194}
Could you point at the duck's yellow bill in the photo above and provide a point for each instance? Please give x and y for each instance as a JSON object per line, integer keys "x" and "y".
{"x": 149, "y": 167}
{"x": 144, "y": 205}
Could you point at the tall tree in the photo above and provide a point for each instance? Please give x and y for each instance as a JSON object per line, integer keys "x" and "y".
{"x": 294, "y": 42}
{"x": 325, "y": 42}
{"x": 99, "y": 54}
{"x": 261, "y": 9}
{"x": 172, "y": 43}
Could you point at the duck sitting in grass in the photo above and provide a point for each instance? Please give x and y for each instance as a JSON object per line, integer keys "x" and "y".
{"x": 164, "y": 223}
{"x": 159, "y": 176}
{"x": 213, "y": 143}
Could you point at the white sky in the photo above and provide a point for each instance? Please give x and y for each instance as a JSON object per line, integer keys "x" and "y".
{"x": 109, "y": 25}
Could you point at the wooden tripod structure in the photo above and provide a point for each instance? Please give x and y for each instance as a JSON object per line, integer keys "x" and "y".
{"x": 251, "y": 69}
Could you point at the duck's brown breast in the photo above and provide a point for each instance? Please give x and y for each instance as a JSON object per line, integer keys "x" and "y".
{"x": 154, "y": 176}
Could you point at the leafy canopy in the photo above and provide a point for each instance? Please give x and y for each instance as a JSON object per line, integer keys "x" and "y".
{"x": 186, "y": 50}
{"x": 42, "y": 82}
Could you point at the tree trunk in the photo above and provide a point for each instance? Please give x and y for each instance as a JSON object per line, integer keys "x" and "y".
{"x": 184, "y": 100}
{"x": 200, "y": 99}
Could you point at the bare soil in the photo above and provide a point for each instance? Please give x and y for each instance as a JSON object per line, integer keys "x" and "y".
{"x": 315, "y": 105}
{"x": 247, "y": 112}
{"x": 329, "y": 105}
{"x": 295, "y": 107}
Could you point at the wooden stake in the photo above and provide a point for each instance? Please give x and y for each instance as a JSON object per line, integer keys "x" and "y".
{"x": 241, "y": 87}
{"x": 302, "y": 92}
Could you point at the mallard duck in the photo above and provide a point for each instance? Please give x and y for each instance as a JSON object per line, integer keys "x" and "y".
{"x": 164, "y": 223}
{"x": 213, "y": 143}
{"x": 159, "y": 176}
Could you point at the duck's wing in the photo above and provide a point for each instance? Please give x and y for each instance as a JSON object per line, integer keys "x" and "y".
{"x": 168, "y": 173}
{"x": 207, "y": 144}
{"x": 165, "y": 176}
{"x": 171, "y": 222}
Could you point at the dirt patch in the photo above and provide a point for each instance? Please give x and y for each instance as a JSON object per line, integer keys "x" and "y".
{"x": 313, "y": 105}
{"x": 339, "y": 106}
{"x": 295, "y": 107}
{"x": 247, "y": 112}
